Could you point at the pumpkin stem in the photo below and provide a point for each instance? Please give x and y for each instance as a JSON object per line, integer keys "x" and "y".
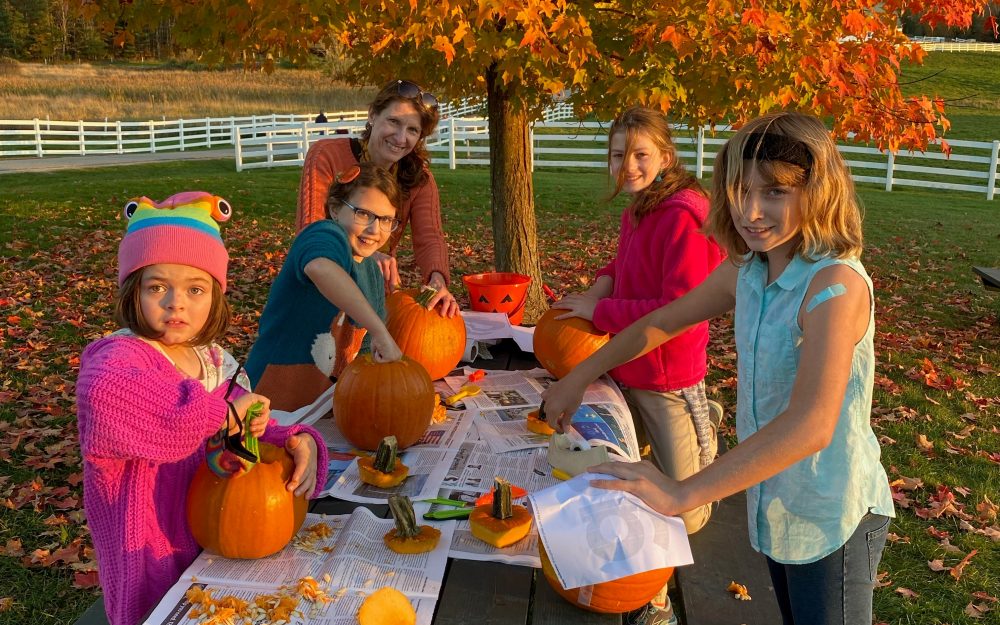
{"x": 502, "y": 507}
{"x": 249, "y": 440}
{"x": 402, "y": 514}
{"x": 425, "y": 295}
{"x": 385, "y": 455}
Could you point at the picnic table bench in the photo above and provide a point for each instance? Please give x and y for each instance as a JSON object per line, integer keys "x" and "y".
{"x": 493, "y": 593}
{"x": 990, "y": 277}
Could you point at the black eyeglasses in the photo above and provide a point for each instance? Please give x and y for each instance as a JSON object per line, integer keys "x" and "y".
{"x": 366, "y": 218}
{"x": 409, "y": 89}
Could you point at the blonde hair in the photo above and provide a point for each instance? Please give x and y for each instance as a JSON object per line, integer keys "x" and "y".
{"x": 641, "y": 120}
{"x": 830, "y": 210}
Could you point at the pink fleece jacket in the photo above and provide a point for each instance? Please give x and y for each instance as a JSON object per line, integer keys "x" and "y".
{"x": 658, "y": 261}
{"x": 143, "y": 429}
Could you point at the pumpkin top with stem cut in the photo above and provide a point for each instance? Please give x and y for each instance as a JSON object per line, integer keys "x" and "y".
{"x": 385, "y": 455}
{"x": 502, "y": 506}
{"x": 402, "y": 513}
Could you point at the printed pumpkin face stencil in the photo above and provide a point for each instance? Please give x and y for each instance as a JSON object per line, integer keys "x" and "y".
{"x": 498, "y": 292}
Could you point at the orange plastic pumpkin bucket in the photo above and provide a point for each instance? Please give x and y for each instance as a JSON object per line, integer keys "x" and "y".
{"x": 498, "y": 292}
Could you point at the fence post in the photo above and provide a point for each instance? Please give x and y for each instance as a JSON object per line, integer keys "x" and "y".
{"x": 304, "y": 144}
{"x": 118, "y": 133}
{"x": 699, "y": 156}
{"x": 152, "y": 137}
{"x": 451, "y": 143}
{"x": 239, "y": 151}
{"x": 82, "y": 138}
{"x": 180, "y": 132}
{"x": 991, "y": 181}
{"x": 38, "y": 140}
{"x": 890, "y": 167}
{"x": 208, "y": 131}
{"x": 531, "y": 149}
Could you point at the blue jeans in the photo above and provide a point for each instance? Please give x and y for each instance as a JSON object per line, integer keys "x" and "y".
{"x": 836, "y": 590}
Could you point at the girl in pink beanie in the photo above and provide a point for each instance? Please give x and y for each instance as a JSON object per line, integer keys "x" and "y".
{"x": 151, "y": 395}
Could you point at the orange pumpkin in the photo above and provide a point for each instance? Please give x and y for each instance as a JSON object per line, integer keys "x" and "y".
{"x": 434, "y": 341}
{"x": 614, "y": 597}
{"x": 250, "y": 515}
{"x": 373, "y": 400}
{"x": 561, "y": 344}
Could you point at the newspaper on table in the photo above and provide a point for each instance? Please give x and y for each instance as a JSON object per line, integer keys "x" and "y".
{"x": 508, "y": 397}
{"x": 354, "y": 557}
{"x": 471, "y": 475}
{"x": 593, "y": 535}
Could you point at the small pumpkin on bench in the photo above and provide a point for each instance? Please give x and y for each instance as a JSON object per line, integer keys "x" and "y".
{"x": 384, "y": 470}
{"x": 407, "y": 537}
{"x": 500, "y": 523}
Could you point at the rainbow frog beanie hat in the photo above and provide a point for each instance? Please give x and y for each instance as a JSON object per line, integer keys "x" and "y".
{"x": 182, "y": 230}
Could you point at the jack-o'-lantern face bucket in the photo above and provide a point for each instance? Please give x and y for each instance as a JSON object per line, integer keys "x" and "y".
{"x": 498, "y": 292}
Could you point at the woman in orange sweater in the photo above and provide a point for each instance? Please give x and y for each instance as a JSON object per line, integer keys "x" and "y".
{"x": 399, "y": 120}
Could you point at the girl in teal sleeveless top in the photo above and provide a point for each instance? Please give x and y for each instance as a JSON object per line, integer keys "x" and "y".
{"x": 818, "y": 499}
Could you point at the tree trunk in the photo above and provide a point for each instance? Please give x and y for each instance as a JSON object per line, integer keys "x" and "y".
{"x": 515, "y": 235}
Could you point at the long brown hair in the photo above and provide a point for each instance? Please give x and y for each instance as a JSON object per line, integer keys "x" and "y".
{"x": 673, "y": 178}
{"x": 411, "y": 170}
{"x": 830, "y": 210}
{"x": 128, "y": 312}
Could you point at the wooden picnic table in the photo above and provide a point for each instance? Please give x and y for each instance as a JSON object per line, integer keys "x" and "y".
{"x": 495, "y": 593}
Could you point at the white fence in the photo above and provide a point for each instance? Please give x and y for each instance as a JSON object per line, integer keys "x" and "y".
{"x": 971, "y": 167}
{"x": 939, "y": 44}
{"x": 42, "y": 137}
{"x": 461, "y": 139}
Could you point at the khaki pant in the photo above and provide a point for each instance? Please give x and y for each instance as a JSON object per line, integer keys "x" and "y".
{"x": 664, "y": 421}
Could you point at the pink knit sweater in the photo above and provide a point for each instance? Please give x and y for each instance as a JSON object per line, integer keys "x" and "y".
{"x": 143, "y": 429}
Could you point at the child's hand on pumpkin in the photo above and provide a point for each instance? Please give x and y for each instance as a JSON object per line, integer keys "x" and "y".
{"x": 259, "y": 424}
{"x": 646, "y": 482}
{"x": 577, "y": 305}
{"x": 449, "y": 306}
{"x": 384, "y": 348}
{"x": 302, "y": 447}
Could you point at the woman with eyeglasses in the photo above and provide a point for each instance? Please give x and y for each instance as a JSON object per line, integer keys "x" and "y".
{"x": 399, "y": 120}
{"x": 329, "y": 282}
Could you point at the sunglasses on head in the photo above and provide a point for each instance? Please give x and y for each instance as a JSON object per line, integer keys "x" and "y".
{"x": 408, "y": 89}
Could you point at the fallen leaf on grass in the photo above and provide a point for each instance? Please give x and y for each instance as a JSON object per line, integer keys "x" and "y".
{"x": 958, "y": 569}
{"x": 987, "y": 510}
{"x": 937, "y": 566}
{"x": 85, "y": 579}
{"x": 6, "y": 603}
{"x": 906, "y": 592}
{"x": 14, "y": 548}
{"x": 907, "y": 483}
{"x": 924, "y": 444}
{"x": 977, "y": 610}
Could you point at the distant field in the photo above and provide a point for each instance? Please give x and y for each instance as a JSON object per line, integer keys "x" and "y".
{"x": 96, "y": 92}
{"x": 970, "y": 82}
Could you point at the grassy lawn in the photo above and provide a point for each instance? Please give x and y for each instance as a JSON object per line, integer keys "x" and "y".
{"x": 937, "y": 386}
